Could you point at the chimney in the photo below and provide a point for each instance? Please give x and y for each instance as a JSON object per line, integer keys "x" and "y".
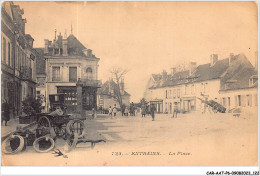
{"x": 193, "y": 66}
{"x": 231, "y": 57}
{"x": 256, "y": 60}
{"x": 164, "y": 75}
{"x": 65, "y": 47}
{"x": 46, "y": 46}
{"x": 60, "y": 40}
{"x": 173, "y": 70}
{"x": 89, "y": 53}
{"x": 213, "y": 59}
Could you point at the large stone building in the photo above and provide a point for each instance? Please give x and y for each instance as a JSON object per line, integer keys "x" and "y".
{"x": 232, "y": 82}
{"x": 107, "y": 95}
{"x": 18, "y": 71}
{"x": 69, "y": 68}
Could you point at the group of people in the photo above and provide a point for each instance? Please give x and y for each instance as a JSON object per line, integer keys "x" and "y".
{"x": 150, "y": 110}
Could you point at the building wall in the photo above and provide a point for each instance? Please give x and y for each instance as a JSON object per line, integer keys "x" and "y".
{"x": 248, "y": 98}
{"x": 65, "y": 63}
{"x": 15, "y": 54}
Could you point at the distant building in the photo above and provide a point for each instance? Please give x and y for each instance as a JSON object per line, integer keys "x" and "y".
{"x": 18, "y": 73}
{"x": 70, "y": 69}
{"x": 232, "y": 82}
{"x": 107, "y": 95}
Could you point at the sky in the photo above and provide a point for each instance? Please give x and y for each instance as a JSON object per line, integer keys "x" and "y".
{"x": 147, "y": 37}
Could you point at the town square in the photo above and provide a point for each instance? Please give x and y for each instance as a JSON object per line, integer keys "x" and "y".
{"x": 129, "y": 84}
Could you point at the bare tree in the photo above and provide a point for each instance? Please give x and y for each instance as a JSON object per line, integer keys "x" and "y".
{"x": 117, "y": 75}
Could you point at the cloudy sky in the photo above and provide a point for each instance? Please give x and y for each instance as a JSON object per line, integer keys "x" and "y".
{"x": 147, "y": 37}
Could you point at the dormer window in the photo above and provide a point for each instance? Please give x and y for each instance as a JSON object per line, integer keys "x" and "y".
{"x": 89, "y": 73}
{"x": 252, "y": 80}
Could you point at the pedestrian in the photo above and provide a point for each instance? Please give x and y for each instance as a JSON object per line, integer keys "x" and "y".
{"x": 114, "y": 110}
{"x": 143, "y": 111}
{"x": 123, "y": 109}
{"x": 152, "y": 111}
{"x": 175, "y": 110}
{"x": 110, "y": 111}
{"x": 5, "y": 112}
{"x": 126, "y": 111}
{"x": 93, "y": 113}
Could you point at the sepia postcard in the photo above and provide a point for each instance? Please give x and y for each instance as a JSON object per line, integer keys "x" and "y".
{"x": 89, "y": 83}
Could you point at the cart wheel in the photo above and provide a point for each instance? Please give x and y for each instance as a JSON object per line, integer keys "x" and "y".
{"x": 76, "y": 126}
{"x": 71, "y": 142}
{"x": 43, "y": 144}
{"x": 13, "y": 144}
{"x": 44, "y": 121}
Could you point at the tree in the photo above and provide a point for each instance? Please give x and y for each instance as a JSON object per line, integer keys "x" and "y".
{"x": 117, "y": 75}
{"x": 31, "y": 106}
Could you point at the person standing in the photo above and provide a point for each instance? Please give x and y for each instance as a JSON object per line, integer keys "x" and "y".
{"x": 175, "y": 110}
{"x": 143, "y": 111}
{"x": 126, "y": 111}
{"x": 152, "y": 111}
{"x": 123, "y": 109}
{"x": 5, "y": 112}
{"x": 114, "y": 110}
{"x": 110, "y": 111}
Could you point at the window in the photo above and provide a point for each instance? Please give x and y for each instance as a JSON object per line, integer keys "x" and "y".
{"x": 228, "y": 102}
{"x": 174, "y": 93}
{"x": 186, "y": 89}
{"x": 192, "y": 89}
{"x": 178, "y": 93}
{"x": 4, "y": 50}
{"x": 224, "y": 102}
{"x": 249, "y": 100}
{"x": 166, "y": 94}
{"x": 89, "y": 73}
{"x": 9, "y": 54}
{"x": 73, "y": 74}
{"x": 239, "y": 100}
{"x": 170, "y": 93}
{"x": 38, "y": 92}
{"x": 55, "y": 73}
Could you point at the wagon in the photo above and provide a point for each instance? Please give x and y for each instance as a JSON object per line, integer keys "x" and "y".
{"x": 62, "y": 123}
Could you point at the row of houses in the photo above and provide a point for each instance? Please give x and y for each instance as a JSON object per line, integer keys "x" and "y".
{"x": 18, "y": 73}
{"x": 232, "y": 82}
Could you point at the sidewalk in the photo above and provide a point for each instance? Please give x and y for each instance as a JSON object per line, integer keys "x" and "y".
{"x": 11, "y": 126}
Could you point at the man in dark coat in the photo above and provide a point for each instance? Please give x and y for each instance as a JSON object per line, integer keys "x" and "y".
{"x": 5, "y": 112}
{"x": 152, "y": 110}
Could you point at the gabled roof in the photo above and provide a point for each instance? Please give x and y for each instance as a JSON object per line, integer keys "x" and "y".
{"x": 104, "y": 90}
{"x": 238, "y": 74}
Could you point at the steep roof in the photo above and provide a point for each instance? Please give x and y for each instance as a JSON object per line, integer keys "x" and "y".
{"x": 104, "y": 90}
{"x": 75, "y": 47}
{"x": 40, "y": 61}
{"x": 236, "y": 74}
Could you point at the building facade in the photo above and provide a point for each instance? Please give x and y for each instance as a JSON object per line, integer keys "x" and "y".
{"x": 232, "y": 82}
{"x": 107, "y": 95}
{"x": 18, "y": 58}
{"x": 70, "y": 69}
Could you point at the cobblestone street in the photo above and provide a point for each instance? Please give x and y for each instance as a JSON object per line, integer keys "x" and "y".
{"x": 207, "y": 139}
